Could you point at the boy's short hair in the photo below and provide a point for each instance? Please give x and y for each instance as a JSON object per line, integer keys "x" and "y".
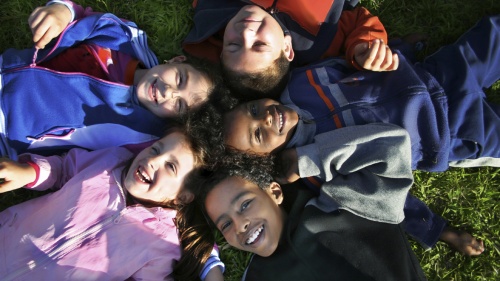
{"x": 269, "y": 83}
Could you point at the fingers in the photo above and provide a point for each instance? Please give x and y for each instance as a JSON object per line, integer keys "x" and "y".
{"x": 379, "y": 57}
{"x": 42, "y": 28}
{"x": 6, "y": 186}
{"x": 34, "y": 17}
{"x": 34, "y": 21}
{"x": 44, "y": 34}
{"x": 48, "y": 22}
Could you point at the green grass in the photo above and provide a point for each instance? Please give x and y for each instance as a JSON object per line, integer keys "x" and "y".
{"x": 468, "y": 198}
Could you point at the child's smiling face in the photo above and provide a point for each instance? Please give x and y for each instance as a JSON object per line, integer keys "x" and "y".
{"x": 261, "y": 126}
{"x": 157, "y": 173}
{"x": 249, "y": 218}
{"x": 170, "y": 89}
{"x": 253, "y": 40}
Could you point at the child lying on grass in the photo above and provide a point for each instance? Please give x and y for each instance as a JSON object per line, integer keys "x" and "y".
{"x": 441, "y": 102}
{"x": 98, "y": 85}
{"x": 351, "y": 231}
{"x": 112, "y": 217}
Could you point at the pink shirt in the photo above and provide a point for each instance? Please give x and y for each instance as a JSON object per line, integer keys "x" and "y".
{"x": 85, "y": 231}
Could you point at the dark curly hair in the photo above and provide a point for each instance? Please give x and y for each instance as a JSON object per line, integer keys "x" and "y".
{"x": 207, "y": 122}
{"x": 255, "y": 168}
{"x": 269, "y": 83}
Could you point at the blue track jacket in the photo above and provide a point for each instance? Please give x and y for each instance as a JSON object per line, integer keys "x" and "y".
{"x": 47, "y": 112}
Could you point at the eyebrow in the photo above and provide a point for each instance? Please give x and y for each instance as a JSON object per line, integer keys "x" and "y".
{"x": 261, "y": 49}
{"x": 172, "y": 158}
{"x": 160, "y": 144}
{"x": 186, "y": 74}
{"x": 233, "y": 202}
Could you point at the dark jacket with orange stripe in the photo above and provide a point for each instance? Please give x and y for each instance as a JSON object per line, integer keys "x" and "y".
{"x": 323, "y": 29}
{"x": 331, "y": 95}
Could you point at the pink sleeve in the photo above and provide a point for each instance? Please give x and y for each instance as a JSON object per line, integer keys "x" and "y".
{"x": 55, "y": 171}
{"x": 52, "y": 173}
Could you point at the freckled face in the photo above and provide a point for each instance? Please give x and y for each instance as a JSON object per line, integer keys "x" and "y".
{"x": 249, "y": 218}
{"x": 261, "y": 126}
{"x": 157, "y": 173}
{"x": 169, "y": 90}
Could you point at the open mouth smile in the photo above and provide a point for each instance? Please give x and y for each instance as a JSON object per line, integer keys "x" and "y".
{"x": 254, "y": 236}
{"x": 154, "y": 90}
{"x": 280, "y": 120}
{"x": 143, "y": 176}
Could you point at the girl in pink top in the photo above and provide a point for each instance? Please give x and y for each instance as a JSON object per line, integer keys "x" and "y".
{"x": 112, "y": 218}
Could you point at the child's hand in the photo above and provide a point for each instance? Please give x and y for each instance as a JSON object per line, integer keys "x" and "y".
{"x": 15, "y": 175}
{"x": 48, "y": 22}
{"x": 378, "y": 57}
{"x": 289, "y": 166}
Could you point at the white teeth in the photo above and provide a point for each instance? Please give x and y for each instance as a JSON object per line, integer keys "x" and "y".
{"x": 254, "y": 236}
{"x": 281, "y": 121}
{"x": 143, "y": 177}
{"x": 154, "y": 91}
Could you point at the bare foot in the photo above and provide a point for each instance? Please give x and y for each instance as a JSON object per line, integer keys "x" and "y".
{"x": 462, "y": 241}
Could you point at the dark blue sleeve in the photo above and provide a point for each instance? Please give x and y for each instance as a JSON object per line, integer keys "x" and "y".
{"x": 421, "y": 223}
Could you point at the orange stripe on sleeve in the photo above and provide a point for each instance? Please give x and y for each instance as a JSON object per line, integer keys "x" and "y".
{"x": 323, "y": 97}
{"x": 319, "y": 90}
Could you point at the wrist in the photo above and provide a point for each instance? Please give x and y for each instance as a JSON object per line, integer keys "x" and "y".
{"x": 68, "y": 5}
{"x": 32, "y": 173}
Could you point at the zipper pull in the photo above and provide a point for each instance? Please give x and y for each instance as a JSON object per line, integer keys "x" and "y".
{"x": 33, "y": 63}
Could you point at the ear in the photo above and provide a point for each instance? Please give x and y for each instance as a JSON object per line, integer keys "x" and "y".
{"x": 177, "y": 59}
{"x": 184, "y": 197}
{"x": 275, "y": 192}
{"x": 288, "y": 48}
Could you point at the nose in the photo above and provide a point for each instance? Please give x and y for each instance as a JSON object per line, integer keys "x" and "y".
{"x": 172, "y": 93}
{"x": 242, "y": 225}
{"x": 248, "y": 33}
{"x": 152, "y": 162}
{"x": 267, "y": 118}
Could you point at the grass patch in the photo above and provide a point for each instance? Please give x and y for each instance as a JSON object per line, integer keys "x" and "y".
{"x": 468, "y": 198}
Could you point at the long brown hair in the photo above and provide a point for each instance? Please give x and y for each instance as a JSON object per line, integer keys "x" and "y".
{"x": 196, "y": 236}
